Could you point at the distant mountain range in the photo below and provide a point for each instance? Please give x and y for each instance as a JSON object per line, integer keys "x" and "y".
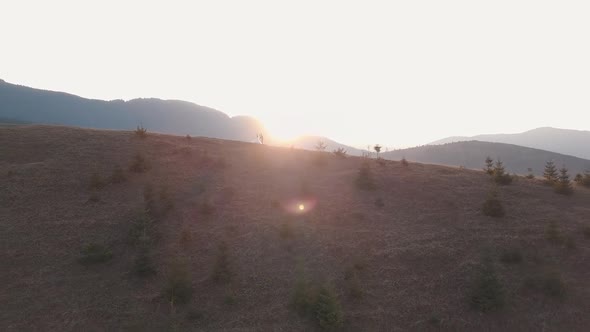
{"x": 471, "y": 154}
{"x": 565, "y": 141}
{"x": 20, "y": 104}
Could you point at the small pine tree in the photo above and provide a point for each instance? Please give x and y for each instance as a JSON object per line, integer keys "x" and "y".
{"x": 550, "y": 172}
{"x": 489, "y": 169}
{"x": 500, "y": 175}
{"x": 321, "y": 146}
{"x": 488, "y": 293}
{"x": 327, "y": 309}
{"x": 364, "y": 180}
{"x": 492, "y": 206}
{"x": 563, "y": 184}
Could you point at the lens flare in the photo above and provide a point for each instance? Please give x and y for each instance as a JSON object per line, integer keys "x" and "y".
{"x": 301, "y": 207}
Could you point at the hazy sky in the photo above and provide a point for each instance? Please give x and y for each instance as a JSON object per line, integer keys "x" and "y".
{"x": 398, "y": 73}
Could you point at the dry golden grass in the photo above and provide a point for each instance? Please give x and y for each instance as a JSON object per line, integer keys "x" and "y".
{"x": 420, "y": 249}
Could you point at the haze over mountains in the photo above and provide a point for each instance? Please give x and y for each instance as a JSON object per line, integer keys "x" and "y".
{"x": 471, "y": 154}
{"x": 565, "y": 141}
{"x": 20, "y": 104}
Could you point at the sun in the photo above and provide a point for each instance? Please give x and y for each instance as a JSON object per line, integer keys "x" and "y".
{"x": 301, "y": 207}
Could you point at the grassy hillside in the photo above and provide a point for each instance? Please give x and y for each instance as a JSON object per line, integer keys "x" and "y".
{"x": 471, "y": 154}
{"x": 228, "y": 238}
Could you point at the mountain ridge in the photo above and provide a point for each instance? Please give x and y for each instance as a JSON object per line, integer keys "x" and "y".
{"x": 565, "y": 141}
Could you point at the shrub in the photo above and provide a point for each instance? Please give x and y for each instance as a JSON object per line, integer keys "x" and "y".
{"x": 141, "y": 229}
{"x": 585, "y": 180}
{"x": 140, "y": 132}
{"x": 118, "y": 175}
{"x": 327, "y": 309}
{"x": 492, "y": 206}
{"x": 570, "y": 243}
{"x": 530, "y": 175}
{"x": 166, "y": 202}
{"x": 229, "y": 299}
{"x": 149, "y": 200}
{"x": 178, "y": 288}
{"x": 549, "y": 283}
{"x": 563, "y": 185}
{"x": 188, "y": 137}
{"x": 221, "y": 269}
{"x": 511, "y": 256}
{"x": 351, "y": 277}
{"x": 340, "y": 152}
{"x": 305, "y": 293}
{"x": 364, "y": 180}
{"x": 143, "y": 265}
{"x": 405, "y": 162}
{"x": 94, "y": 253}
{"x": 96, "y": 181}
{"x": 487, "y": 294}
{"x": 138, "y": 164}
{"x": 550, "y": 173}
{"x": 93, "y": 198}
{"x": 552, "y": 234}
{"x": 320, "y": 146}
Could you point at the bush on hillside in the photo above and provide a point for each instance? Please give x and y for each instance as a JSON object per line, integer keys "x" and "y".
{"x": 118, "y": 175}
{"x": 511, "y": 256}
{"x": 140, "y": 132}
{"x": 327, "y": 309}
{"x": 340, "y": 152}
{"x": 143, "y": 265}
{"x": 492, "y": 207}
{"x": 93, "y": 253}
{"x": 364, "y": 180}
{"x": 178, "y": 288}
{"x": 221, "y": 269}
{"x": 552, "y": 233}
{"x": 487, "y": 294}
{"x": 96, "y": 181}
{"x": 549, "y": 283}
{"x": 138, "y": 164}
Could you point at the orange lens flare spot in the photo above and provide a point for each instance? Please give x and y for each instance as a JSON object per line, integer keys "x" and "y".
{"x": 301, "y": 207}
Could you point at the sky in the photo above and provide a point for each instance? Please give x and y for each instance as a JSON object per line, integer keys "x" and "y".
{"x": 398, "y": 73}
